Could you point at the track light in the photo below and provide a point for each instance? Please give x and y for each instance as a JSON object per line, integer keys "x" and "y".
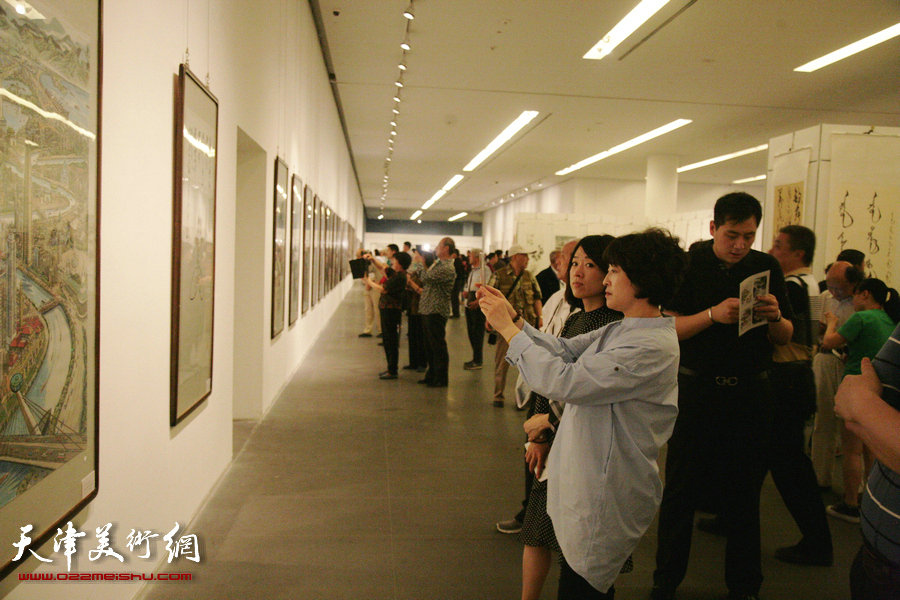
{"x": 408, "y": 13}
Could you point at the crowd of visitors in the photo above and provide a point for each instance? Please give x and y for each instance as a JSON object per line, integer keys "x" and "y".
{"x": 627, "y": 345}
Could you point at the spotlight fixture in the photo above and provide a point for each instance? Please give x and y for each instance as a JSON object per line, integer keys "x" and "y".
{"x": 402, "y": 66}
{"x": 408, "y": 13}
{"x": 397, "y": 98}
{"x": 405, "y": 45}
{"x": 399, "y": 83}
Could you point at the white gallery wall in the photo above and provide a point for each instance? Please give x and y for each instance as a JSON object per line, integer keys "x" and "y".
{"x": 266, "y": 69}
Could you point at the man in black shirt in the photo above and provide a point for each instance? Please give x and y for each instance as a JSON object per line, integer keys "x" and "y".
{"x": 719, "y": 441}
{"x": 548, "y": 279}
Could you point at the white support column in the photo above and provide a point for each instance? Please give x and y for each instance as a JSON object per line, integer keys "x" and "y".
{"x": 662, "y": 188}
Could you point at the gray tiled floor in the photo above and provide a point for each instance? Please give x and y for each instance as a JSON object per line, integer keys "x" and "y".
{"x": 356, "y": 488}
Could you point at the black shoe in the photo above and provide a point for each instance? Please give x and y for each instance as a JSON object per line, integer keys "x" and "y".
{"x": 798, "y": 555}
{"x": 434, "y": 384}
{"x": 713, "y": 525}
{"x": 408, "y": 368}
{"x": 387, "y": 375}
{"x": 498, "y": 403}
{"x": 365, "y": 335}
{"x": 661, "y": 593}
{"x": 379, "y": 335}
{"x": 421, "y": 369}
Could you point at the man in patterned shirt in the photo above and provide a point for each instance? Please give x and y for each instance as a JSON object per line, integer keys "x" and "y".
{"x": 434, "y": 307}
{"x": 523, "y": 292}
{"x": 870, "y": 406}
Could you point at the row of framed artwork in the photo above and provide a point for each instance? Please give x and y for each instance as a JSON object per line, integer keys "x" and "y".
{"x": 320, "y": 247}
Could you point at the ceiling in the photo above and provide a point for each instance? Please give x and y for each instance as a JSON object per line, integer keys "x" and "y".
{"x": 475, "y": 65}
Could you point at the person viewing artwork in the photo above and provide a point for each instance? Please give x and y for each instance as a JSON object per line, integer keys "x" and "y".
{"x": 586, "y": 271}
{"x": 619, "y": 386}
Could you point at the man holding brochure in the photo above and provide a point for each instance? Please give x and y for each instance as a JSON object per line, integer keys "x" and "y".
{"x": 716, "y": 456}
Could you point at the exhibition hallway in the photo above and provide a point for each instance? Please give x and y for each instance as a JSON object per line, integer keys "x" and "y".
{"x": 357, "y": 488}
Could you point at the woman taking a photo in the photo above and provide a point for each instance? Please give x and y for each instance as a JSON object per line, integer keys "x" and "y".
{"x": 619, "y": 384}
{"x": 585, "y": 290}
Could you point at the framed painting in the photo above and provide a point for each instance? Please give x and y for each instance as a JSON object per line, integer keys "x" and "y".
{"x": 279, "y": 245}
{"x": 193, "y": 244}
{"x": 49, "y": 313}
{"x": 329, "y": 249}
{"x": 316, "y": 250}
{"x": 320, "y": 250}
{"x": 308, "y": 233}
{"x": 296, "y": 229}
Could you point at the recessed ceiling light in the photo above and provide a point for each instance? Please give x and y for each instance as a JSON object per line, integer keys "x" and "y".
{"x": 750, "y": 179}
{"x": 437, "y": 196}
{"x": 624, "y": 28}
{"x": 452, "y": 182}
{"x": 724, "y": 157}
{"x": 521, "y": 121}
{"x": 459, "y": 216}
{"x": 415, "y": 215}
{"x": 851, "y": 49}
{"x": 625, "y": 145}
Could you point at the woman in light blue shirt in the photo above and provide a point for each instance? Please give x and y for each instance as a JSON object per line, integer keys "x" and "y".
{"x": 619, "y": 384}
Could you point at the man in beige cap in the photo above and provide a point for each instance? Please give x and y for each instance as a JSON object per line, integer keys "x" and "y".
{"x": 523, "y": 292}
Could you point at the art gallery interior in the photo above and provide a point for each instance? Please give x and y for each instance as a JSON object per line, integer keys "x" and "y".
{"x": 313, "y": 83}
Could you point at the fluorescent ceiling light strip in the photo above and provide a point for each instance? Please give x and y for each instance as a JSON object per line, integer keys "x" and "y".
{"x": 415, "y": 215}
{"x": 46, "y": 114}
{"x": 750, "y": 179}
{"x": 724, "y": 157}
{"x": 625, "y": 145}
{"x": 437, "y": 196}
{"x": 851, "y": 49}
{"x": 459, "y": 216}
{"x": 453, "y": 181}
{"x": 512, "y": 129}
{"x": 624, "y": 28}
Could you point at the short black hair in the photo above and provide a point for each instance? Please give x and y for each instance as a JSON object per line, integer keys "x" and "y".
{"x": 737, "y": 207}
{"x": 653, "y": 260}
{"x": 801, "y": 238}
{"x": 854, "y": 257}
{"x": 594, "y": 246}
{"x": 404, "y": 259}
{"x": 407, "y": 244}
{"x": 394, "y": 247}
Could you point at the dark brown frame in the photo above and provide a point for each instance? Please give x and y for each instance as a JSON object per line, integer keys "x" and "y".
{"x": 309, "y": 217}
{"x": 279, "y": 225}
{"x": 186, "y": 83}
{"x": 296, "y": 249}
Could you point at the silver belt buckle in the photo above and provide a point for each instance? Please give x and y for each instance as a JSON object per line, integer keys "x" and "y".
{"x": 726, "y": 381}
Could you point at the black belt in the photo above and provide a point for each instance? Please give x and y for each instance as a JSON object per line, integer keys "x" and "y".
{"x": 725, "y": 380}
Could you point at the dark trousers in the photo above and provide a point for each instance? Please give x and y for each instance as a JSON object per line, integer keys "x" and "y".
{"x": 872, "y": 577}
{"x": 475, "y": 328}
{"x": 390, "y": 330}
{"x": 416, "y": 335}
{"x": 458, "y": 285}
{"x": 717, "y": 447}
{"x": 792, "y": 470}
{"x": 436, "y": 344}
{"x": 573, "y": 586}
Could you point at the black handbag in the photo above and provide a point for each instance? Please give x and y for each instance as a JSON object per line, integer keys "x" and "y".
{"x": 492, "y": 338}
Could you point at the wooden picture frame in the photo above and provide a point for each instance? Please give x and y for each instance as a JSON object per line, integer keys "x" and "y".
{"x": 279, "y": 243}
{"x": 49, "y": 309}
{"x": 296, "y": 243}
{"x": 193, "y": 244}
{"x": 309, "y": 214}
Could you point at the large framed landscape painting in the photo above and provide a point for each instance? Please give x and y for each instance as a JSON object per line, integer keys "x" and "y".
{"x": 193, "y": 244}
{"x": 49, "y": 198}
